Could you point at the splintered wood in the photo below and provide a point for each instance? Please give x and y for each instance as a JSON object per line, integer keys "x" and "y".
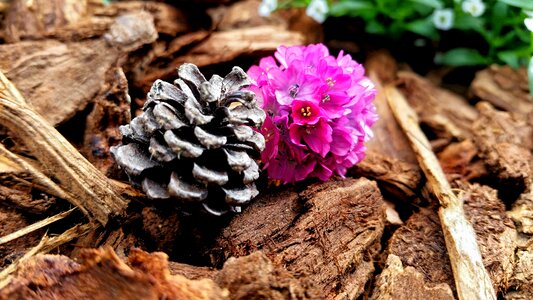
{"x": 471, "y": 278}
{"x": 96, "y": 197}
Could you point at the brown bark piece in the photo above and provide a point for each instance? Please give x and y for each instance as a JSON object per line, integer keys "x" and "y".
{"x": 399, "y": 178}
{"x": 111, "y": 109}
{"x": 420, "y": 243}
{"x": 34, "y": 19}
{"x": 55, "y": 78}
{"x": 520, "y": 285}
{"x": 504, "y": 143}
{"x": 522, "y": 212}
{"x": 21, "y": 198}
{"x": 254, "y": 276}
{"x": 495, "y": 232}
{"x": 204, "y": 49}
{"x": 460, "y": 161}
{"x": 191, "y": 272}
{"x": 168, "y": 19}
{"x": 243, "y": 14}
{"x": 162, "y": 227}
{"x": 328, "y": 235}
{"x": 224, "y": 46}
{"x": 398, "y": 283}
{"x": 102, "y": 275}
{"x": 389, "y": 138}
{"x": 73, "y": 20}
{"x": 447, "y": 114}
{"x": 504, "y": 88}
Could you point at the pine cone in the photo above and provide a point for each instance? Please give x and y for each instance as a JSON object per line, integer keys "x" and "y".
{"x": 193, "y": 142}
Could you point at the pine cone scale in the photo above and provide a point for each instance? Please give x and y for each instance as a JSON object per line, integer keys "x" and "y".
{"x": 134, "y": 159}
{"x": 182, "y": 147}
{"x": 207, "y": 176}
{"x": 208, "y": 140}
{"x": 185, "y": 191}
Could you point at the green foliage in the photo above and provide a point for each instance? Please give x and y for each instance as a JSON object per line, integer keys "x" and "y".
{"x": 500, "y": 26}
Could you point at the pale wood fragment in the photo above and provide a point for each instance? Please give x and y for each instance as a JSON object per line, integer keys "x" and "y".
{"x": 45, "y": 245}
{"x": 45, "y": 182}
{"x": 96, "y": 197}
{"x": 471, "y": 277}
{"x": 35, "y": 226}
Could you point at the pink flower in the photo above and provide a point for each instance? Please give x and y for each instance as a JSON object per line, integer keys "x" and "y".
{"x": 319, "y": 112}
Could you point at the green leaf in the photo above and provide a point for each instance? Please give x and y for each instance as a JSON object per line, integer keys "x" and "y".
{"x": 467, "y": 22}
{"x": 423, "y": 27}
{"x": 375, "y": 27}
{"x": 430, "y": 3}
{"x": 510, "y": 58}
{"x": 505, "y": 40}
{"x": 350, "y": 8}
{"x": 461, "y": 57}
{"x": 523, "y": 4}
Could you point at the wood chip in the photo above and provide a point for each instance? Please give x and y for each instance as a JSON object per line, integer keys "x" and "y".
{"x": 504, "y": 88}
{"x": 398, "y": 283}
{"x": 111, "y": 109}
{"x": 253, "y": 275}
{"x": 504, "y": 143}
{"x": 460, "y": 161}
{"x": 54, "y": 76}
{"x": 520, "y": 287}
{"x": 522, "y": 212}
{"x": 327, "y": 236}
{"x": 33, "y": 19}
{"x": 448, "y": 115}
{"x": 400, "y": 178}
{"x": 389, "y": 138}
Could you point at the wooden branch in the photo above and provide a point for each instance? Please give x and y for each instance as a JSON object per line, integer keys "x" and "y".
{"x": 34, "y": 226}
{"x": 471, "y": 277}
{"x": 45, "y": 245}
{"x": 45, "y": 183}
{"x": 95, "y": 196}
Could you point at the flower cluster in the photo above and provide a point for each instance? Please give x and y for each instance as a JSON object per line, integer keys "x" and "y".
{"x": 319, "y": 112}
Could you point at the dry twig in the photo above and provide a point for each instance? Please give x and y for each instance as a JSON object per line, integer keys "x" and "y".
{"x": 471, "y": 277}
{"x": 45, "y": 245}
{"x": 34, "y": 226}
{"x": 95, "y": 196}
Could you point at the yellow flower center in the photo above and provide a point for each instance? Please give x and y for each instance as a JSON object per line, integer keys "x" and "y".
{"x": 306, "y": 111}
{"x": 330, "y": 81}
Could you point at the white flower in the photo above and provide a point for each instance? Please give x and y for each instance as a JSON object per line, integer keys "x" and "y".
{"x": 443, "y": 18}
{"x": 529, "y": 24}
{"x": 474, "y": 7}
{"x": 318, "y": 9}
{"x": 267, "y": 7}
